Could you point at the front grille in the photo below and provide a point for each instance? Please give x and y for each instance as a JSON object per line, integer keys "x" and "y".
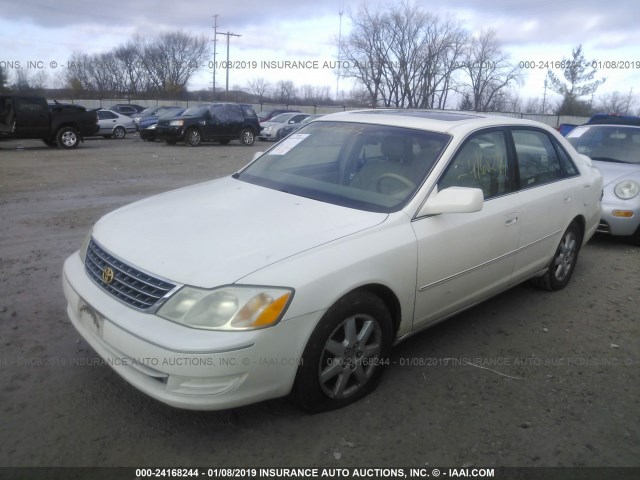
{"x": 128, "y": 284}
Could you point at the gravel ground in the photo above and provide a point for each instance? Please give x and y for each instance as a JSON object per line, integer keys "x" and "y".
{"x": 528, "y": 378}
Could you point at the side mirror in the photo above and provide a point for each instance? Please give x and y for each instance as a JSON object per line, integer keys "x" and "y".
{"x": 453, "y": 200}
{"x": 207, "y": 115}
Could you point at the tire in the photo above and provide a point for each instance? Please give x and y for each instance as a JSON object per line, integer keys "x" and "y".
{"x": 67, "y": 137}
{"x": 119, "y": 133}
{"x": 247, "y": 137}
{"x": 192, "y": 137}
{"x": 345, "y": 355}
{"x": 563, "y": 262}
{"x": 50, "y": 142}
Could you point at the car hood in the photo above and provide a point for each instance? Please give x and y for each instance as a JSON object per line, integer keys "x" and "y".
{"x": 612, "y": 171}
{"x": 217, "y": 232}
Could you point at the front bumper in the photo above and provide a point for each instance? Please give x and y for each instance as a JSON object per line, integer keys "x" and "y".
{"x": 614, "y": 224}
{"x": 180, "y": 366}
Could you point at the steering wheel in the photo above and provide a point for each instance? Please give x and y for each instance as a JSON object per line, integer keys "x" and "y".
{"x": 403, "y": 180}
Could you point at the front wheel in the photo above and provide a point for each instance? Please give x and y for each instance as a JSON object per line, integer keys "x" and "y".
{"x": 193, "y": 137}
{"x": 247, "y": 137}
{"x": 346, "y": 354}
{"x": 67, "y": 137}
{"x": 563, "y": 262}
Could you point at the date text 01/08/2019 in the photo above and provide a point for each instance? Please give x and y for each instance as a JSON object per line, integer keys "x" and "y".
{"x": 563, "y": 64}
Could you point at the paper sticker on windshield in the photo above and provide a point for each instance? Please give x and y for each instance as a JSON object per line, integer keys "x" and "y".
{"x": 577, "y": 132}
{"x": 288, "y": 144}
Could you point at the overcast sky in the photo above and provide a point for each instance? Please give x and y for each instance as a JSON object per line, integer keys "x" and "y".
{"x": 530, "y": 30}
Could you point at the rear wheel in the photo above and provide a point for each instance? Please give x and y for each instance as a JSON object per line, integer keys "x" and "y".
{"x": 563, "y": 262}
{"x": 346, "y": 354}
{"x": 247, "y": 137}
{"x": 192, "y": 137}
{"x": 67, "y": 137}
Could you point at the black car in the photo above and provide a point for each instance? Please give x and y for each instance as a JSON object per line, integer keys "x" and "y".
{"x": 211, "y": 122}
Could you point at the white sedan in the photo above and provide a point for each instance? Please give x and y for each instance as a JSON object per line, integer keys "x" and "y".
{"x": 298, "y": 273}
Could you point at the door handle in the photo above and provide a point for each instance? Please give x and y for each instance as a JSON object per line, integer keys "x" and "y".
{"x": 512, "y": 218}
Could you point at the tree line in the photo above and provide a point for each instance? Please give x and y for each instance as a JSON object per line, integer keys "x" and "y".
{"x": 398, "y": 56}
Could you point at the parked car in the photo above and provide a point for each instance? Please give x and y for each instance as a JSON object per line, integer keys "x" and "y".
{"x": 114, "y": 124}
{"x": 266, "y": 115}
{"x": 271, "y": 128}
{"x": 615, "y": 151}
{"x": 298, "y": 273}
{"x": 287, "y": 130}
{"x": 127, "y": 109}
{"x": 155, "y": 111}
{"x": 57, "y": 124}
{"x": 212, "y": 122}
{"x": 148, "y": 125}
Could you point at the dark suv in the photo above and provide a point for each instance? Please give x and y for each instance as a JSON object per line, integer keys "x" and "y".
{"x": 211, "y": 122}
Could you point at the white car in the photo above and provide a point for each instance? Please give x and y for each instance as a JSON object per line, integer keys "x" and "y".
{"x": 298, "y": 273}
{"x": 114, "y": 124}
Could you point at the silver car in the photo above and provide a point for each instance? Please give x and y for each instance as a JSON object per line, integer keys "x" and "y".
{"x": 114, "y": 124}
{"x": 615, "y": 151}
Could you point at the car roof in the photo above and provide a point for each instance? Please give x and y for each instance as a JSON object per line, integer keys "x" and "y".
{"x": 434, "y": 120}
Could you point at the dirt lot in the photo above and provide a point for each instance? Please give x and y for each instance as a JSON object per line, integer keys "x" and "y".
{"x": 560, "y": 386}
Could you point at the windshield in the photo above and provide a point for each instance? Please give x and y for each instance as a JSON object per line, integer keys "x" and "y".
{"x": 283, "y": 117}
{"x": 369, "y": 167}
{"x": 195, "y": 111}
{"x": 609, "y": 143}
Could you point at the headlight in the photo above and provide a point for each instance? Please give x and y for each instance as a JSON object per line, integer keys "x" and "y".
{"x": 85, "y": 245}
{"x": 627, "y": 189}
{"x": 267, "y": 130}
{"x": 227, "y": 308}
{"x": 176, "y": 123}
{"x": 152, "y": 127}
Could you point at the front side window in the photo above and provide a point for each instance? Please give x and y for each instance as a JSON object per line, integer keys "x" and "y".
{"x": 480, "y": 163}
{"x": 370, "y": 167}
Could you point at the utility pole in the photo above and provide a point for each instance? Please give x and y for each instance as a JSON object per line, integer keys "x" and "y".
{"x": 228, "y": 34}
{"x": 215, "y": 41}
{"x": 544, "y": 97}
{"x": 340, "y": 10}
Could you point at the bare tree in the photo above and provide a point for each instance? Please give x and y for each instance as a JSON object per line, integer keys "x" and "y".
{"x": 614, "y": 102}
{"x": 172, "y": 59}
{"x": 259, "y": 87}
{"x": 488, "y": 71}
{"x": 285, "y": 91}
{"x": 404, "y": 56}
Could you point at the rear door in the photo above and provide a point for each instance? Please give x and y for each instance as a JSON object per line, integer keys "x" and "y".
{"x": 464, "y": 258}
{"x": 549, "y": 192}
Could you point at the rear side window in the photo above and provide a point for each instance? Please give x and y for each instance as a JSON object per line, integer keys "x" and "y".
{"x": 539, "y": 160}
